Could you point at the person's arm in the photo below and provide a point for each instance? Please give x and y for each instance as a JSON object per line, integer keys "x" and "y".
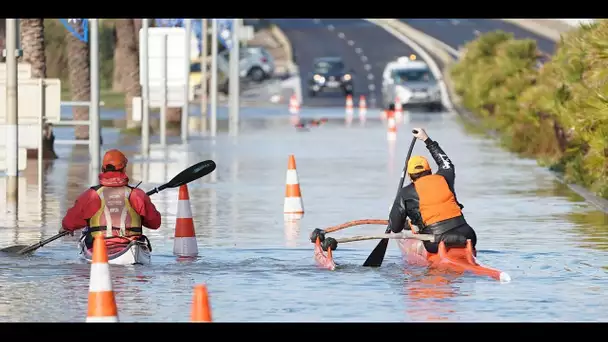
{"x": 84, "y": 208}
{"x": 143, "y": 205}
{"x": 398, "y": 214}
{"x": 444, "y": 164}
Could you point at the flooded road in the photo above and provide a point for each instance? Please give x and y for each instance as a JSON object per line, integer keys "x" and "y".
{"x": 259, "y": 268}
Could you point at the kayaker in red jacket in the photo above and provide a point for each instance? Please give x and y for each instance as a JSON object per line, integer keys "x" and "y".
{"x": 113, "y": 205}
{"x": 430, "y": 201}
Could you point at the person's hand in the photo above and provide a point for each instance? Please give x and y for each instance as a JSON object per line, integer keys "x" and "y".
{"x": 320, "y": 233}
{"x": 420, "y": 134}
{"x": 329, "y": 242}
{"x": 70, "y": 232}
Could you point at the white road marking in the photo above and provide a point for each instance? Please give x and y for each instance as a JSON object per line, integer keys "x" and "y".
{"x": 371, "y": 87}
{"x": 341, "y": 35}
{"x": 455, "y": 21}
{"x": 370, "y": 77}
{"x": 364, "y": 59}
{"x": 350, "y": 42}
{"x": 358, "y": 50}
{"x": 330, "y": 27}
{"x": 367, "y": 67}
{"x": 316, "y": 21}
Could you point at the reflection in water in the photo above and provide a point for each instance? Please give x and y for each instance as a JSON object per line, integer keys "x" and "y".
{"x": 426, "y": 291}
{"x": 348, "y": 120}
{"x": 593, "y": 228}
{"x": 292, "y": 229}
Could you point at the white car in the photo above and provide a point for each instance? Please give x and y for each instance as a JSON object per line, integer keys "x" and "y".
{"x": 256, "y": 63}
{"x": 412, "y": 82}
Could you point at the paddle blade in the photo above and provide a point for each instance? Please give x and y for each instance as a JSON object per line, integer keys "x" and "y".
{"x": 192, "y": 173}
{"x": 375, "y": 259}
{"x": 13, "y": 249}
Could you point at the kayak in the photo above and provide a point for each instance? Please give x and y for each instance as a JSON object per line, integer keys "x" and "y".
{"x": 121, "y": 250}
{"x": 323, "y": 260}
{"x": 459, "y": 260}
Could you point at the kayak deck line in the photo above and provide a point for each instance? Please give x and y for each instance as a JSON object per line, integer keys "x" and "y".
{"x": 323, "y": 260}
{"x": 455, "y": 259}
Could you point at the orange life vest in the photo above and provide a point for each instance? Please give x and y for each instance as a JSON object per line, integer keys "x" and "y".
{"x": 115, "y": 215}
{"x": 437, "y": 202}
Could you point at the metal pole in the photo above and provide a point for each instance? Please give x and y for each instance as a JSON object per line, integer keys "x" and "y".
{"x": 186, "y": 106}
{"x": 213, "y": 83}
{"x": 145, "y": 91}
{"x": 234, "y": 79}
{"x": 94, "y": 127}
{"x": 12, "y": 129}
{"x": 163, "y": 86}
{"x": 204, "y": 43}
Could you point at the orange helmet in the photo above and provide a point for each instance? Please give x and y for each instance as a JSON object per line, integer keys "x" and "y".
{"x": 417, "y": 164}
{"x": 114, "y": 160}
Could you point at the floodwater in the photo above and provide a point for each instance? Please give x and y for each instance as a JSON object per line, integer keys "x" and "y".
{"x": 259, "y": 268}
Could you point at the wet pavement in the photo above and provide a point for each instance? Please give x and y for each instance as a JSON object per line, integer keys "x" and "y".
{"x": 259, "y": 268}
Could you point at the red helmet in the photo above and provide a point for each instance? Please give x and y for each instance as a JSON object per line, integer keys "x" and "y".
{"x": 114, "y": 160}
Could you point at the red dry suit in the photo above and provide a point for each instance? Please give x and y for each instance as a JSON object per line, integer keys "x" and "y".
{"x": 113, "y": 200}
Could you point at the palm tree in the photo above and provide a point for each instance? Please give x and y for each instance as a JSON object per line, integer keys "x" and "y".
{"x": 126, "y": 62}
{"x": 32, "y": 43}
{"x": 80, "y": 78}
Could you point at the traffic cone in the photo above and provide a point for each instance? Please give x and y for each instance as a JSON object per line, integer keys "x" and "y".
{"x": 201, "y": 309}
{"x": 184, "y": 244}
{"x": 294, "y": 106}
{"x": 293, "y": 204}
{"x": 391, "y": 134}
{"x": 362, "y": 108}
{"x": 349, "y": 104}
{"x": 102, "y": 305}
{"x": 398, "y": 108}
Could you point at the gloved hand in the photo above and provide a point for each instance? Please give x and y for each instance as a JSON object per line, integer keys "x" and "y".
{"x": 317, "y": 233}
{"x": 329, "y": 243}
{"x": 421, "y": 134}
{"x": 61, "y": 230}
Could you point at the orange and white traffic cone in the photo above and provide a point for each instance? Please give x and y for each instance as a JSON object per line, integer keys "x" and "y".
{"x": 349, "y": 105}
{"x": 391, "y": 135}
{"x": 293, "y": 204}
{"x": 102, "y": 304}
{"x": 294, "y": 105}
{"x": 184, "y": 243}
{"x": 362, "y": 108}
{"x": 398, "y": 108}
{"x": 201, "y": 308}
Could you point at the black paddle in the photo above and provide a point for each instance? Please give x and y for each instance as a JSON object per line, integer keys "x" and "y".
{"x": 377, "y": 256}
{"x": 190, "y": 174}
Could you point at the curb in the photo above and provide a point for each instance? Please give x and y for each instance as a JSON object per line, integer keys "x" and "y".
{"x": 434, "y": 47}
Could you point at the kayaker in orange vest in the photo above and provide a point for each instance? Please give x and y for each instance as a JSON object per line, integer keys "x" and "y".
{"x": 429, "y": 202}
{"x": 112, "y": 205}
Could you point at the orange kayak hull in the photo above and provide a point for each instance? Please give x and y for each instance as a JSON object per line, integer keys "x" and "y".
{"x": 459, "y": 260}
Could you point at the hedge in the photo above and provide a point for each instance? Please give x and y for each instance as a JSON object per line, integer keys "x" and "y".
{"x": 556, "y": 112}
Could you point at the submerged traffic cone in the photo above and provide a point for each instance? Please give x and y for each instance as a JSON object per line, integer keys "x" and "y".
{"x": 349, "y": 104}
{"x": 391, "y": 134}
{"x": 102, "y": 305}
{"x": 293, "y": 204}
{"x": 184, "y": 244}
{"x": 398, "y": 108}
{"x": 201, "y": 309}
{"x": 294, "y": 105}
{"x": 362, "y": 108}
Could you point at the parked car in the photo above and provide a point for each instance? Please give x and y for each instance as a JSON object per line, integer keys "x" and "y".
{"x": 256, "y": 63}
{"x": 412, "y": 82}
{"x": 329, "y": 74}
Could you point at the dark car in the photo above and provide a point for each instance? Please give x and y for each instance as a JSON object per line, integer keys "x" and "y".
{"x": 329, "y": 74}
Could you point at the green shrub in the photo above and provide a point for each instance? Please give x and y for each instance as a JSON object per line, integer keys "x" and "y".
{"x": 558, "y": 113}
